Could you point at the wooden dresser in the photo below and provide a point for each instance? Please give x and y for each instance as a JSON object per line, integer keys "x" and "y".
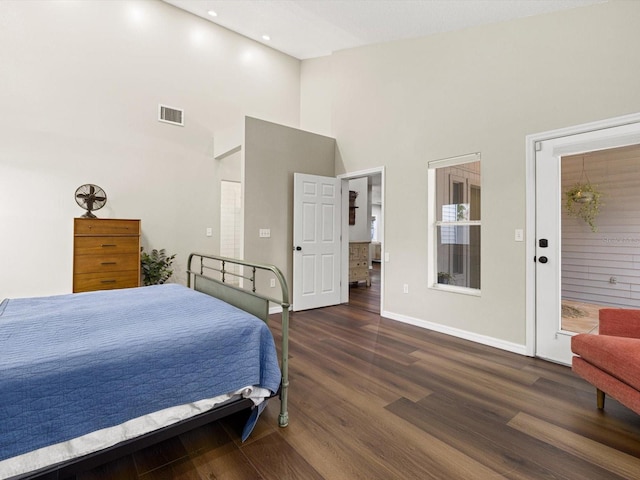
{"x": 359, "y": 262}
{"x": 106, "y": 254}
{"x": 376, "y": 255}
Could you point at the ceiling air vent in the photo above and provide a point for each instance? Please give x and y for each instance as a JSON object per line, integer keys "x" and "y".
{"x": 171, "y": 115}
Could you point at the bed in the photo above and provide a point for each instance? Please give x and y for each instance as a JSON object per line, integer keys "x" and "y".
{"x": 89, "y": 377}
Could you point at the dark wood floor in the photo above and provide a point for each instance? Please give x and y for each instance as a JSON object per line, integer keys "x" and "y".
{"x": 372, "y": 398}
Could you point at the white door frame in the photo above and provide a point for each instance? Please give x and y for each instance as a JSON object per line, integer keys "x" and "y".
{"x": 600, "y": 141}
{"x": 345, "y": 177}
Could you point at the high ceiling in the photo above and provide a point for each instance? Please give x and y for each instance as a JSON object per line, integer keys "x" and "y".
{"x": 313, "y": 28}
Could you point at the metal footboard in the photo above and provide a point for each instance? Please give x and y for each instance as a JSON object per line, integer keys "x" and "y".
{"x": 234, "y": 281}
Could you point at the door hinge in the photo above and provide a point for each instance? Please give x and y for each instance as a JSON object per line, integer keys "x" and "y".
{"x": 538, "y": 146}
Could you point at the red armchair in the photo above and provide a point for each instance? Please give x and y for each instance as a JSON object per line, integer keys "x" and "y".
{"x": 610, "y": 361}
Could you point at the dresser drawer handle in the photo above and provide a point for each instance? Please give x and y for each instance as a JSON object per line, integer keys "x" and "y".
{"x": 108, "y": 245}
{"x": 108, "y": 263}
{"x": 107, "y": 281}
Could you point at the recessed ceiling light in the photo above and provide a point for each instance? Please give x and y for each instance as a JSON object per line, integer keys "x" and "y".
{"x": 266, "y": 37}
{"x": 212, "y": 13}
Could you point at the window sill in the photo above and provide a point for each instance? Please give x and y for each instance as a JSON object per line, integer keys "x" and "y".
{"x": 455, "y": 289}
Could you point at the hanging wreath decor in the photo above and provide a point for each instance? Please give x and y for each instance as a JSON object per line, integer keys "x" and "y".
{"x": 583, "y": 201}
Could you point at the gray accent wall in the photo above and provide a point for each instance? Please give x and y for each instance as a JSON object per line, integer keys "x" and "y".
{"x": 273, "y": 153}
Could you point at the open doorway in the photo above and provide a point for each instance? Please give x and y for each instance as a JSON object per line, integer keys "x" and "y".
{"x": 231, "y": 224}
{"x": 364, "y": 239}
{"x": 600, "y": 235}
{"x": 598, "y": 252}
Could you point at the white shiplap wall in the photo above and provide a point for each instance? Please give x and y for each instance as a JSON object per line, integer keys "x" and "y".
{"x": 603, "y": 267}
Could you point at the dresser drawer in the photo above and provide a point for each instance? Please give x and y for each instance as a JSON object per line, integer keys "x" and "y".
{"x": 361, "y": 273}
{"x": 106, "y": 245}
{"x": 106, "y": 263}
{"x": 85, "y": 282}
{"x": 359, "y": 251}
{"x": 106, "y": 226}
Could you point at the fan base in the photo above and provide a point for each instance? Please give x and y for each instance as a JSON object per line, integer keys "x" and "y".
{"x": 88, "y": 215}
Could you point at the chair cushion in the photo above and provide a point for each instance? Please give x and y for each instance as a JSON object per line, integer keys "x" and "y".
{"x": 617, "y": 356}
{"x": 620, "y": 322}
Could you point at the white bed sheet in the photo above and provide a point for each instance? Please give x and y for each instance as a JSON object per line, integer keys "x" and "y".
{"x": 108, "y": 437}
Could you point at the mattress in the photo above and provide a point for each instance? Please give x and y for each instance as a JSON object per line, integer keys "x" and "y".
{"x": 82, "y": 363}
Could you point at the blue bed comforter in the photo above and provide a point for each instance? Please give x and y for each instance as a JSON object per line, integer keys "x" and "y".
{"x": 73, "y": 364}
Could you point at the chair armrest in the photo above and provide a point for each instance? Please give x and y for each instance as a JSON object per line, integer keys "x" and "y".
{"x": 619, "y": 322}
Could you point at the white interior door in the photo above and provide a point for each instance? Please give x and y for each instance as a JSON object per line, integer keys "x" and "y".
{"x": 316, "y": 241}
{"x": 552, "y": 342}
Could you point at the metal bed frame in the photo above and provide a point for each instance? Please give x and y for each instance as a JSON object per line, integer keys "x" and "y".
{"x": 247, "y": 300}
{"x": 200, "y": 279}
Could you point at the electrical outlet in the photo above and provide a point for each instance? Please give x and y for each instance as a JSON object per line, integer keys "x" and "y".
{"x": 273, "y": 283}
{"x": 405, "y": 288}
{"x": 209, "y": 232}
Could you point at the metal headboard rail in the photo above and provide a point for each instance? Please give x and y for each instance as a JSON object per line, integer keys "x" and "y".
{"x": 283, "y": 418}
{"x": 224, "y": 272}
{"x": 245, "y": 291}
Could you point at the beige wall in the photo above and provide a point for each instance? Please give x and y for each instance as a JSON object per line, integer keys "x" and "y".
{"x": 316, "y": 95}
{"x": 272, "y": 154}
{"x": 361, "y": 230}
{"x": 484, "y": 89}
{"x": 80, "y": 84}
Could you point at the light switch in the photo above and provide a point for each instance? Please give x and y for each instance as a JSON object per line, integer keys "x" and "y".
{"x": 265, "y": 233}
{"x": 519, "y": 235}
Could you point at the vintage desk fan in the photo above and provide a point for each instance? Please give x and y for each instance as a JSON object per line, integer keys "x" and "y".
{"x": 90, "y": 197}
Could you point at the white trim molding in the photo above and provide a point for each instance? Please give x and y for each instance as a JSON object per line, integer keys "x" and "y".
{"x": 458, "y": 333}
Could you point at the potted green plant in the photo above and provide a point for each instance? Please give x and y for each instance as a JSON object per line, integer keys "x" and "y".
{"x": 583, "y": 201}
{"x": 445, "y": 278}
{"x": 156, "y": 266}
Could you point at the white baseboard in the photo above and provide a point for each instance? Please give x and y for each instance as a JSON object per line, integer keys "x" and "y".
{"x": 456, "y": 332}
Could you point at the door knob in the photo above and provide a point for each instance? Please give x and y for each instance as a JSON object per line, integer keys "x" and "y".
{"x": 543, "y": 259}
{"x": 298, "y": 248}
